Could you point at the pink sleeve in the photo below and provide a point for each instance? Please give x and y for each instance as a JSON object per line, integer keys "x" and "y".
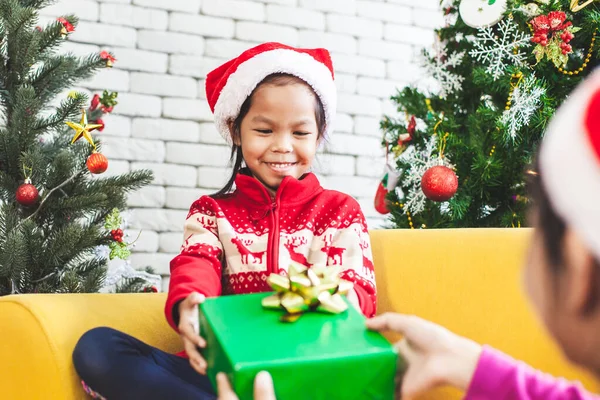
{"x": 500, "y": 377}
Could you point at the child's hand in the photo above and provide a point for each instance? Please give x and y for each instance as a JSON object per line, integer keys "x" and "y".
{"x": 435, "y": 356}
{"x": 353, "y": 299}
{"x": 189, "y": 331}
{"x": 263, "y": 387}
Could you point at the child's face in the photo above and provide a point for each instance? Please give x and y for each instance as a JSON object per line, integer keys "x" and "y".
{"x": 565, "y": 296}
{"x": 279, "y": 135}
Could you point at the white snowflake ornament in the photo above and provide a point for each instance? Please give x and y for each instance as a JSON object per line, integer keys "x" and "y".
{"x": 439, "y": 69}
{"x": 526, "y": 99}
{"x": 500, "y": 49}
{"x": 482, "y": 13}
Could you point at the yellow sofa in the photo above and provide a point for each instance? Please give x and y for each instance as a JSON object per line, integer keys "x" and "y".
{"x": 468, "y": 280}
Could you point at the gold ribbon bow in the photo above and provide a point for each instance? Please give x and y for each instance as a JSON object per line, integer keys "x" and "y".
{"x": 307, "y": 289}
{"x": 575, "y": 6}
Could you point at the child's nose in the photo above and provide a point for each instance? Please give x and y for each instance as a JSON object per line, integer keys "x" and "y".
{"x": 282, "y": 142}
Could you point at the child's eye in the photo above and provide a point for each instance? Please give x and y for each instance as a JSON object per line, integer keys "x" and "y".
{"x": 264, "y": 130}
{"x": 301, "y": 133}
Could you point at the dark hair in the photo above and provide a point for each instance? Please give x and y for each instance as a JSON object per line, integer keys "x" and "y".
{"x": 552, "y": 229}
{"x": 277, "y": 79}
{"x": 551, "y": 225}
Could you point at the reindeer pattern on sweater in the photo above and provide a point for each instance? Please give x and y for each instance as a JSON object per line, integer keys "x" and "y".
{"x": 245, "y": 246}
{"x": 232, "y": 244}
{"x": 247, "y": 252}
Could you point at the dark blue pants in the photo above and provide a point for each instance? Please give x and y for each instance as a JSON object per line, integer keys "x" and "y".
{"x": 118, "y": 366}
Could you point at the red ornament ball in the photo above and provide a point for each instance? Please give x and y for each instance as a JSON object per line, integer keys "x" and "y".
{"x": 439, "y": 183}
{"x": 97, "y": 163}
{"x": 27, "y": 194}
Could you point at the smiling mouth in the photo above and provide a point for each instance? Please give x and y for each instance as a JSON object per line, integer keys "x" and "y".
{"x": 280, "y": 166}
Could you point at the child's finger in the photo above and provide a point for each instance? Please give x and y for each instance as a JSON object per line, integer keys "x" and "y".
{"x": 263, "y": 387}
{"x": 195, "y": 357}
{"x": 188, "y": 331}
{"x": 191, "y": 302}
{"x": 196, "y": 298}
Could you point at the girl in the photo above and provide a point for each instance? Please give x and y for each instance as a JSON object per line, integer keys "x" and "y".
{"x": 562, "y": 275}
{"x": 275, "y": 105}
{"x": 562, "y": 278}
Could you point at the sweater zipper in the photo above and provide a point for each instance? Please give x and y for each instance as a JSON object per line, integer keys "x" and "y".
{"x": 273, "y": 247}
{"x": 272, "y": 268}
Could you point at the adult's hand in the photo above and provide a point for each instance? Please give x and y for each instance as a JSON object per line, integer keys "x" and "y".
{"x": 263, "y": 387}
{"x": 435, "y": 356}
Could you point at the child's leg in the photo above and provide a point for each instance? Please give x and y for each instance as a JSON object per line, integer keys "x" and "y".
{"x": 118, "y": 366}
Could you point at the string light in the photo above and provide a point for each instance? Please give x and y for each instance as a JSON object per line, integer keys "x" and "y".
{"x": 588, "y": 57}
{"x": 401, "y": 205}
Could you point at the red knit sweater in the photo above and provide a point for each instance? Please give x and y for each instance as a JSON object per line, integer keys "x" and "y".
{"x": 233, "y": 243}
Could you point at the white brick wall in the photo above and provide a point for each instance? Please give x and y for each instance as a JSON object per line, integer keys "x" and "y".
{"x": 236, "y": 9}
{"x": 84, "y": 9}
{"x": 164, "y": 50}
{"x": 355, "y": 26}
{"x": 226, "y": 48}
{"x": 266, "y": 33}
{"x": 202, "y": 25}
{"x": 192, "y": 6}
{"x": 332, "y": 6}
{"x": 149, "y": 196}
{"x": 169, "y": 42}
{"x": 359, "y": 65}
{"x": 297, "y": 17}
{"x": 119, "y": 126}
{"x": 182, "y": 198}
{"x": 166, "y": 129}
{"x": 163, "y": 85}
{"x": 138, "y": 17}
{"x": 141, "y": 60}
{"x": 384, "y": 11}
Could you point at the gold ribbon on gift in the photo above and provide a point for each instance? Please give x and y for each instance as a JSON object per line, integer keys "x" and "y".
{"x": 575, "y": 6}
{"x": 317, "y": 288}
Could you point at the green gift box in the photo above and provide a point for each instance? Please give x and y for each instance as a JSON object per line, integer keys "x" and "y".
{"x": 319, "y": 356}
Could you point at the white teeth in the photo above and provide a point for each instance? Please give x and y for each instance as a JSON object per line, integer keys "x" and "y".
{"x": 280, "y": 166}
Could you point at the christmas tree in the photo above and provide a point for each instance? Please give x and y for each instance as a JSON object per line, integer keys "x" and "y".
{"x": 460, "y": 148}
{"x": 55, "y": 210}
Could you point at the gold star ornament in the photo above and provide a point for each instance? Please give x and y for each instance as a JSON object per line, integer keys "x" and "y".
{"x": 83, "y": 129}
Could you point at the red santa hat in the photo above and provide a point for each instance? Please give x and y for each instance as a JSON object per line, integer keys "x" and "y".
{"x": 570, "y": 161}
{"x": 228, "y": 86}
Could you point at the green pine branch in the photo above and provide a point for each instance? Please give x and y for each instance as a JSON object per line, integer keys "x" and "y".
{"x": 50, "y": 246}
{"x": 489, "y": 163}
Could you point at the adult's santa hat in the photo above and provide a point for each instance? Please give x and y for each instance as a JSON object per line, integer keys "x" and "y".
{"x": 570, "y": 162}
{"x": 228, "y": 86}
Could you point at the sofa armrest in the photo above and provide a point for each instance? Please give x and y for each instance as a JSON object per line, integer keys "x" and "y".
{"x": 38, "y": 333}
